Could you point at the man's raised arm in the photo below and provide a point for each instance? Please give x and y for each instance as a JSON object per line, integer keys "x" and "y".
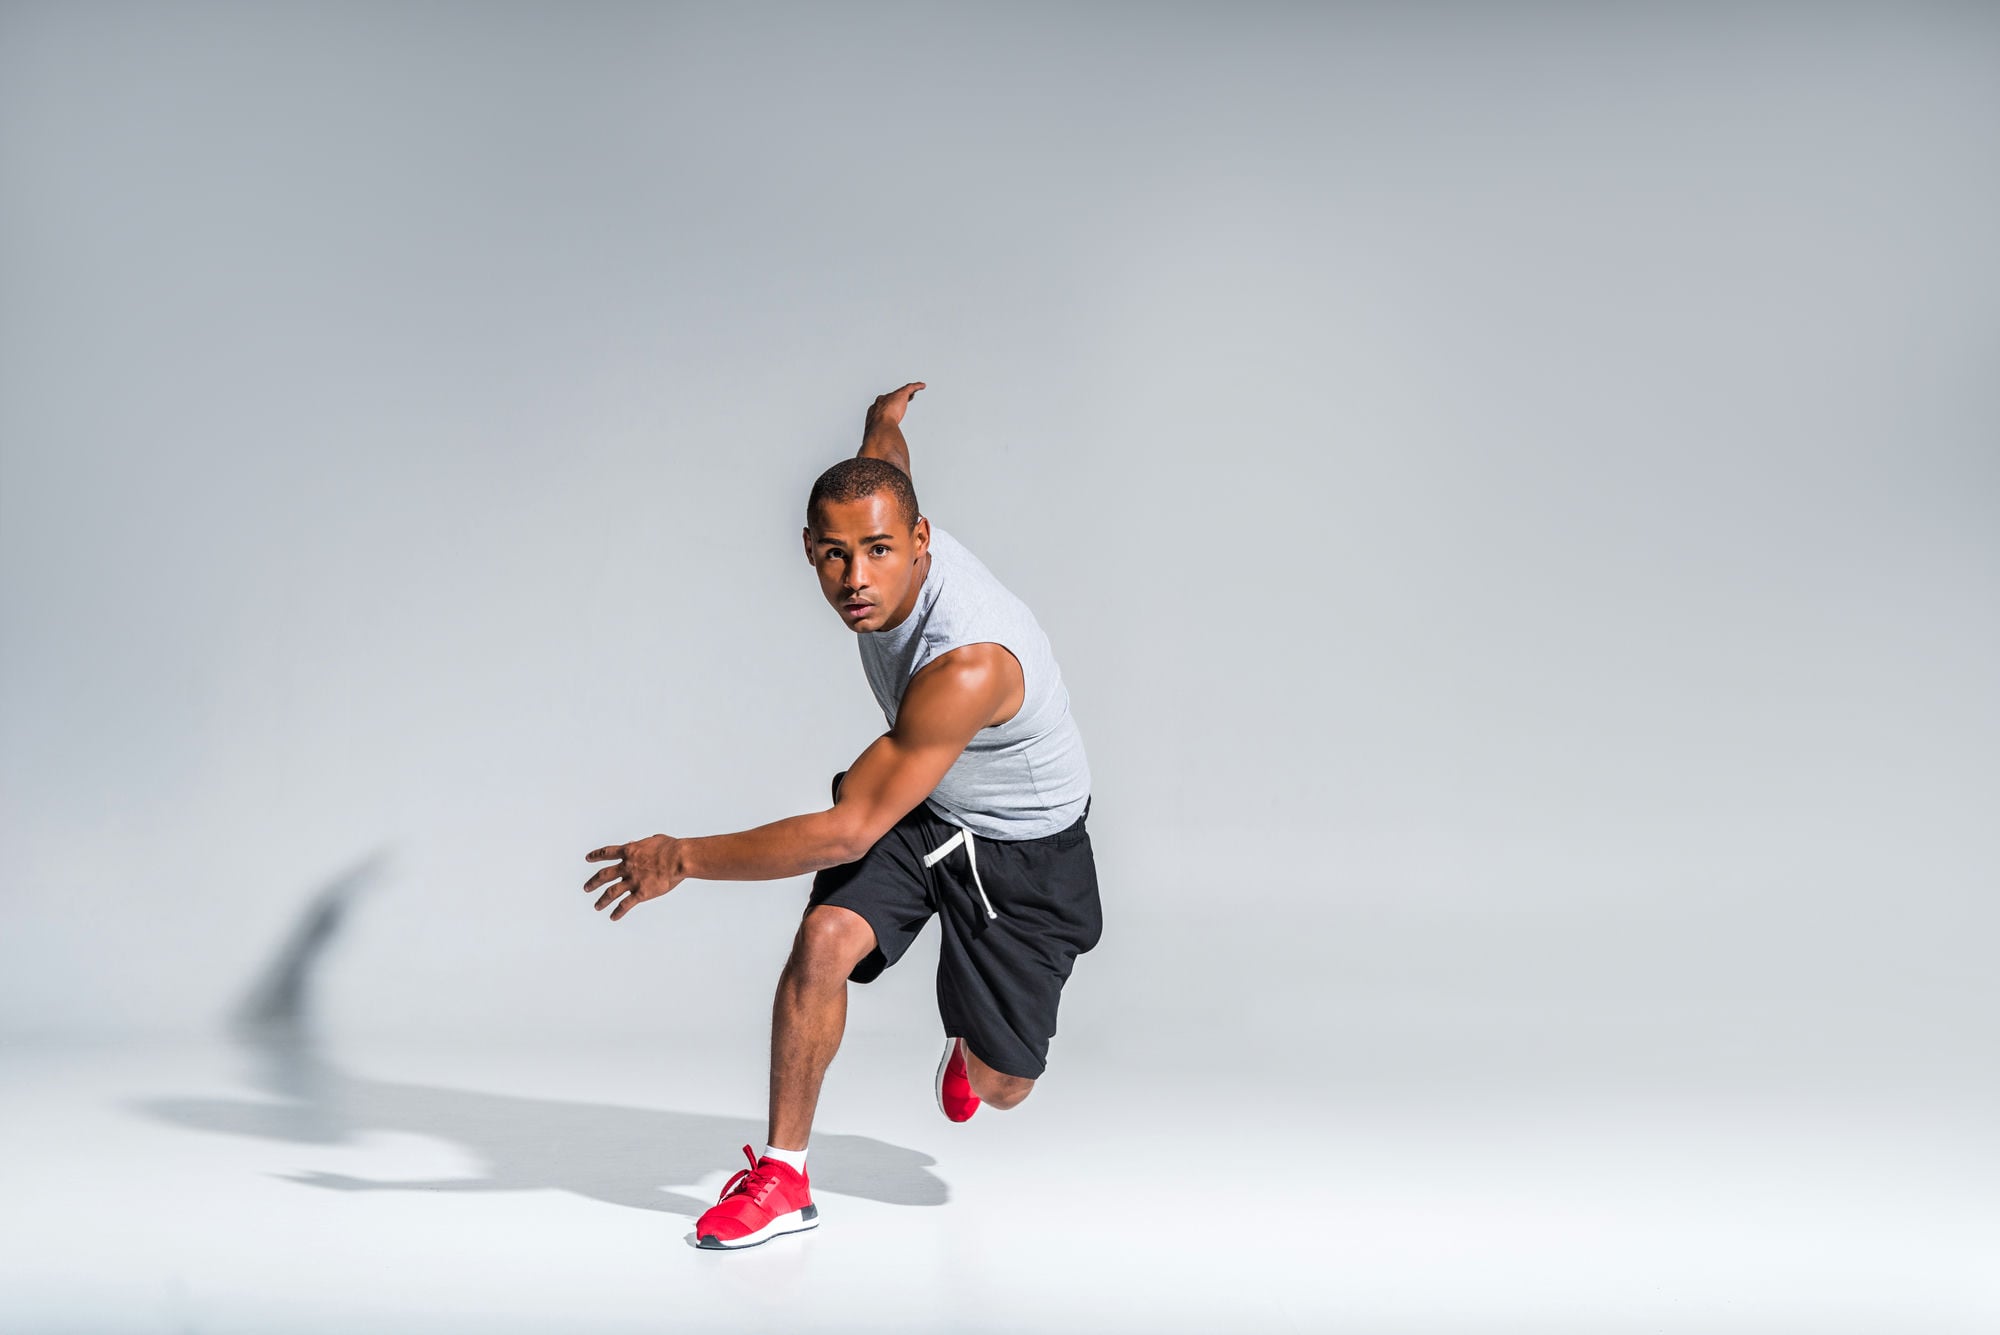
{"x": 882, "y": 434}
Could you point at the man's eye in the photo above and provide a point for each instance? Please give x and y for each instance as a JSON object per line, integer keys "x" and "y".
{"x": 879, "y": 547}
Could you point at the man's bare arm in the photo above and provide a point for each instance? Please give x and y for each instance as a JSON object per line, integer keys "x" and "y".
{"x": 789, "y": 847}
{"x": 945, "y": 704}
{"x": 647, "y": 868}
{"x": 657, "y": 864}
{"x": 882, "y": 433}
{"x": 943, "y": 707}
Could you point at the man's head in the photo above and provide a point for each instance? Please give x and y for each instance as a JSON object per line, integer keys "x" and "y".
{"x": 866, "y": 540}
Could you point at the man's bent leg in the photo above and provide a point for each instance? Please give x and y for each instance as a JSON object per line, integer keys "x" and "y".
{"x": 993, "y": 1087}
{"x": 809, "y": 1014}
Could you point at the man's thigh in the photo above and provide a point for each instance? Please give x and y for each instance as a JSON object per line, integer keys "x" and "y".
{"x": 1000, "y": 980}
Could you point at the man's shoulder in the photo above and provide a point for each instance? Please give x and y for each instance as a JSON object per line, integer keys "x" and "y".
{"x": 960, "y": 689}
{"x": 969, "y": 665}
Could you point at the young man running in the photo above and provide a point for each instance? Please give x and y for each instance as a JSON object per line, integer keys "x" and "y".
{"x": 971, "y": 807}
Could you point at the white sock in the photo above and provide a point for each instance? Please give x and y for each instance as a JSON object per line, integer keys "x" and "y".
{"x": 796, "y": 1158}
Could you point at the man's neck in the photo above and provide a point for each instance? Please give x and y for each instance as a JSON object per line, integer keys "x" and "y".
{"x": 917, "y": 593}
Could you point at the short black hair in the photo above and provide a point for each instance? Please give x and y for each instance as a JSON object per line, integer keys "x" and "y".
{"x": 851, "y": 479}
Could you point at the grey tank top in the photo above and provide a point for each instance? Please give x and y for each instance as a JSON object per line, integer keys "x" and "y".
{"x": 1021, "y": 779}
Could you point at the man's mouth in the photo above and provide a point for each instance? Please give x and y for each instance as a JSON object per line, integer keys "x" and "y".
{"x": 858, "y": 607}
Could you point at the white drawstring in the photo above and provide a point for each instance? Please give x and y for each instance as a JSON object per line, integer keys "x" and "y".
{"x": 964, "y": 836}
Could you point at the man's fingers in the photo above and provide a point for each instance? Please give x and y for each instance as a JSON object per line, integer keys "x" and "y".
{"x": 611, "y": 873}
{"x": 608, "y": 851}
{"x": 624, "y": 907}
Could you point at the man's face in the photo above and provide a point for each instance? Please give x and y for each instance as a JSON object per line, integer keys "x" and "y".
{"x": 867, "y": 561}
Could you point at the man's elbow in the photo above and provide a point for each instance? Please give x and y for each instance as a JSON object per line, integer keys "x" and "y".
{"x": 849, "y": 836}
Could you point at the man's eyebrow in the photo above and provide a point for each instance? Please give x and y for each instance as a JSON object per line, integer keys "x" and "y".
{"x": 870, "y": 538}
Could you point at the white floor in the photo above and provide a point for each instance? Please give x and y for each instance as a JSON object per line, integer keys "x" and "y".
{"x": 285, "y": 1186}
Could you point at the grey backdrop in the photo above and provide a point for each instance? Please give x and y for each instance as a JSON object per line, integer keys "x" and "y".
{"x": 1513, "y": 493}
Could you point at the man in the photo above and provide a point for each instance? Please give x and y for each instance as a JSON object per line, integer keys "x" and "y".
{"x": 971, "y": 807}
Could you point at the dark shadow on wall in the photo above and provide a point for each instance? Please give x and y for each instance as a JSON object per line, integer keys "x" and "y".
{"x": 626, "y": 1156}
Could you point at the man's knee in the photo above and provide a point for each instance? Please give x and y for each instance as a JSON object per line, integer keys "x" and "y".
{"x": 831, "y": 940}
{"x": 1001, "y": 1090}
{"x": 1011, "y": 1090}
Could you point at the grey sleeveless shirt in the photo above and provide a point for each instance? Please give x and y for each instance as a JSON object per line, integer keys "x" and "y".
{"x": 1021, "y": 779}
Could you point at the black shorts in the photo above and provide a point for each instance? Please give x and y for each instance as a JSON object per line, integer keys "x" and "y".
{"x": 999, "y": 978}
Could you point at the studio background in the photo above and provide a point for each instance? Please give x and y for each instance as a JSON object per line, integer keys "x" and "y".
{"x": 1512, "y": 493}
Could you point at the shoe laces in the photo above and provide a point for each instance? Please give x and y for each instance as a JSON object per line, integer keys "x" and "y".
{"x": 754, "y": 1182}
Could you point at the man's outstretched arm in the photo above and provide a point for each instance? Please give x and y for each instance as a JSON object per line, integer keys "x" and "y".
{"x": 944, "y": 705}
{"x": 882, "y": 433}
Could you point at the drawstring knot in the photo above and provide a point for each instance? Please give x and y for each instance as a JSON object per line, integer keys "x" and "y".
{"x": 964, "y": 836}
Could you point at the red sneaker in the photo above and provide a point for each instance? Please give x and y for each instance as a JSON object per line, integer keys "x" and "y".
{"x": 761, "y": 1202}
{"x": 954, "y": 1087}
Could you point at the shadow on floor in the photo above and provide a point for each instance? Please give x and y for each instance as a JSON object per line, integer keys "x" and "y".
{"x": 619, "y": 1155}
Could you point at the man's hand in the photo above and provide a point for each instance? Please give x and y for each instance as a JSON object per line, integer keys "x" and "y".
{"x": 889, "y": 408}
{"x": 641, "y": 871}
{"x": 882, "y": 435}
